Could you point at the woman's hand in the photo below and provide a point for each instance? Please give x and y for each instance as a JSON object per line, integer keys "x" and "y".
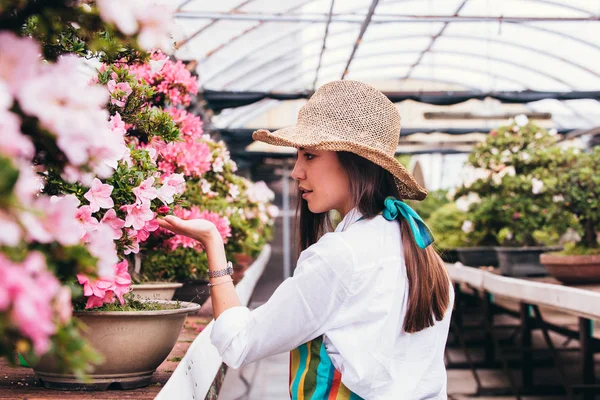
{"x": 200, "y": 229}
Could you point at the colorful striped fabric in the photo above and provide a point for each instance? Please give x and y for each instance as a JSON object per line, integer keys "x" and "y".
{"x": 313, "y": 377}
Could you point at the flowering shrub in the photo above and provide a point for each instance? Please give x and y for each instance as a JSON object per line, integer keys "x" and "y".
{"x": 573, "y": 183}
{"x": 506, "y": 201}
{"x": 61, "y": 159}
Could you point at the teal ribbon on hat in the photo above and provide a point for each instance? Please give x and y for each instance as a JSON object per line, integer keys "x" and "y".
{"x": 392, "y": 208}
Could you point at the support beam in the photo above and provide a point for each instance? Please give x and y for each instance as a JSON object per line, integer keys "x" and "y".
{"x": 219, "y": 100}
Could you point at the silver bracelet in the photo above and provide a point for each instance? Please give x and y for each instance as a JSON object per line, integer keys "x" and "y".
{"x": 215, "y": 284}
{"x": 222, "y": 272}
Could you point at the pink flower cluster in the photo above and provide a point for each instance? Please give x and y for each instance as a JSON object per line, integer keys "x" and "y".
{"x": 140, "y": 218}
{"x": 34, "y": 299}
{"x": 151, "y": 22}
{"x": 59, "y": 96}
{"x": 104, "y": 290}
{"x": 192, "y": 156}
{"x": 172, "y": 79}
{"x": 222, "y": 224}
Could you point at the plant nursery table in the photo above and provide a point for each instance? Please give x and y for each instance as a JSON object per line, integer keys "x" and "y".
{"x": 540, "y": 303}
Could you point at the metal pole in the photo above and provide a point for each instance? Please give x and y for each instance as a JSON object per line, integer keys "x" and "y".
{"x": 286, "y": 224}
{"x": 377, "y": 19}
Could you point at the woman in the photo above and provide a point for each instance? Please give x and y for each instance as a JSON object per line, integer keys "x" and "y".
{"x": 367, "y": 312}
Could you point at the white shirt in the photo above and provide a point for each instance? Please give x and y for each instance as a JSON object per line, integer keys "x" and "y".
{"x": 352, "y": 287}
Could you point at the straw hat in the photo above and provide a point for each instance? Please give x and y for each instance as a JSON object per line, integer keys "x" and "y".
{"x": 350, "y": 116}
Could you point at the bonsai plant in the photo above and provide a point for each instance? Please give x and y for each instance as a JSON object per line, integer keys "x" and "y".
{"x": 510, "y": 210}
{"x": 574, "y": 186}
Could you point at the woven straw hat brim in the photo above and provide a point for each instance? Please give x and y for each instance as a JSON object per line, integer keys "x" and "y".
{"x": 295, "y": 136}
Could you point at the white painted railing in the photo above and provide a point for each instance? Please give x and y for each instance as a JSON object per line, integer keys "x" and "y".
{"x": 579, "y": 301}
{"x": 195, "y": 373}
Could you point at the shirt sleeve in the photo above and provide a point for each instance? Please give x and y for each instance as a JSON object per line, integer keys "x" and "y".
{"x": 302, "y": 308}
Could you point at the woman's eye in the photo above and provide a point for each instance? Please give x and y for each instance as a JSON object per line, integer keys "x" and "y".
{"x": 308, "y": 156}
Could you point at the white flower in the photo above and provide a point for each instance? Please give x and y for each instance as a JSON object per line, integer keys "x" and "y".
{"x": 539, "y": 135}
{"x": 552, "y": 132}
{"x": 509, "y": 235}
{"x": 467, "y": 227}
{"x": 521, "y": 120}
{"x": 515, "y": 129}
{"x": 218, "y": 164}
{"x": 205, "y": 185}
{"x": 156, "y": 65}
{"x": 558, "y": 198}
{"x": 525, "y": 156}
{"x": 450, "y": 194}
{"x": 234, "y": 191}
{"x": 464, "y": 202}
{"x": 494, "y": 151}
{"x": 515, "y": 149}
{"x": 536, "y": 186}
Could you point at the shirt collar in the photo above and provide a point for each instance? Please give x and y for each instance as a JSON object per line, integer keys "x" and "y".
{"x": 353, "y": 216}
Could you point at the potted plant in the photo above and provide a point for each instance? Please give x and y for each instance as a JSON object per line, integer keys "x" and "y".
{"x": 511, "y": 201}
{"x": 56, "y": 135}
{"x": 147, "y": 331}
{"x": 575, "y": 188}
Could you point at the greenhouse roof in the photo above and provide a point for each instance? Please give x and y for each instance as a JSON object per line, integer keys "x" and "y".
{"x": 484, "y": 46}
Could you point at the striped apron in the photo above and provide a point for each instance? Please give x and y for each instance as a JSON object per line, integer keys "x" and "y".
{"x": 313, "y": 377}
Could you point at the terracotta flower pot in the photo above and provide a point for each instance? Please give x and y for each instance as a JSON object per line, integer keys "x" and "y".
{"x": 133, "y": 344}
{"x": 156, "y": 290}
{"x": 572, "y": 269}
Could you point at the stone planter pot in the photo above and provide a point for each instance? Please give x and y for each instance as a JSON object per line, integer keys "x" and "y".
{"x": 156, "y": 290}
{"x": 196, "y": 291}
{"x": 523, "y": 261}
{"x": 572, "y": 269}
{"x": 449, "y": 255}
{"x": 133, "y": 344}
{"x": 478, "y": 256}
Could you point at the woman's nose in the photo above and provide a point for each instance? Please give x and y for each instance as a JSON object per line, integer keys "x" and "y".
{"x": 298, "y": 172}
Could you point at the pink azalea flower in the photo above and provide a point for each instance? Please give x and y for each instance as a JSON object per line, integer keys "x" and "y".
{"x": 102, "y": 246}
{"x": 155, "y": 25}
{"x": 10, "y": 234}
{"x": 103, "y": 290}
{"x": 12, "y": 142}
{"x": 115, "y": 223}
{"x": 122, "y": 280}
{"x": 28, "y": 291}
{"x": 117, "y": 125}
{"x": 137, "y": 215}
{"x": 145, "y": 193}
{"x": 173, "y": 184}
{"x": 19, "y": 60}
{"x": 119, "y": 92}
{"x": 99, "y": 195}
{"x": 89, "y": 223}
{"x": 29, "y": 184}
{"x": 54, "y": 218}
{"x": 134, "y": 244}
{"x": 62, "y": 305}
{"x": 122, "y": 14}
{"x": 144, "y": 233}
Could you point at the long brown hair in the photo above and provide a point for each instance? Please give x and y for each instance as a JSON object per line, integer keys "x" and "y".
{"x": 428, "y": 282}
